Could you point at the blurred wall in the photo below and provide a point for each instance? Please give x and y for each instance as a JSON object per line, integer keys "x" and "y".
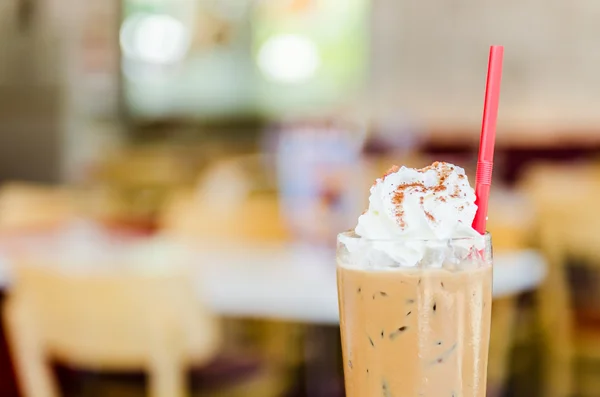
{"x": 30, "y": 94}
{"x": 430, "y": 58}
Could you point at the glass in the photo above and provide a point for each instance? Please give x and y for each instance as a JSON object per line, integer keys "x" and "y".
{"x": 415, "y": 331}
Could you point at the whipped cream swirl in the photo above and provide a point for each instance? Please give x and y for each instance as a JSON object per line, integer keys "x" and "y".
{"x": 417, "y": 211}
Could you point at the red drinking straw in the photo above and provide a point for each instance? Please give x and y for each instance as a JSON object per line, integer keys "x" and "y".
{"x": 485, "y": 162}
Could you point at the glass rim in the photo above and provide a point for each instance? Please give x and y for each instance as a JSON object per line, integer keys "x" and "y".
{"x": 351, "y": 234}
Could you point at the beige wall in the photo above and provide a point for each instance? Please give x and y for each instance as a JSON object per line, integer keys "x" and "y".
{"x": 430, "y": 58}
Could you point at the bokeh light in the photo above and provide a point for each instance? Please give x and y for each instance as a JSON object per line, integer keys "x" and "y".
{"x": 289, "y": 58}
{"x": 154, "y": 38}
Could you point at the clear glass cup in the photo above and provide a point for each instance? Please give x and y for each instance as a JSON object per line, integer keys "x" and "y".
{"x": 418, "y": 331}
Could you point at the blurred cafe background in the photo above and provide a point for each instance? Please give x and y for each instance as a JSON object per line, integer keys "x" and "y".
{"x": 173, "y": 174}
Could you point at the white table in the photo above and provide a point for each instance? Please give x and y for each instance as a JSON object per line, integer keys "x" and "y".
{"x": 299, "y": 284}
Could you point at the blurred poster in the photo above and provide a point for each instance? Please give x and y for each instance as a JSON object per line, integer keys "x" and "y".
{"x": 319, "y": 179}
{"x": 186, "y": 59}
{"x": 309, "y": 53}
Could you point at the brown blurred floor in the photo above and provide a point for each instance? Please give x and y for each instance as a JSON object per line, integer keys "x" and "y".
{"x": 217, "y": 380}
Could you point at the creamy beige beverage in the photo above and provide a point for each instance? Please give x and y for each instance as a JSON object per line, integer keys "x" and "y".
{"x": 415, "y": 293}
{"x": 415, "y": 333}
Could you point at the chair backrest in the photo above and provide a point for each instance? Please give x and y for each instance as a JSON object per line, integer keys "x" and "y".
{"x": 115, "y": 320}
{"x": 556, "y": 188}
{"x": 26, "y": 207}
{"x": 510, "y": 220}
{"x": 235, "y": 200}
{"x": 565, "y": 198}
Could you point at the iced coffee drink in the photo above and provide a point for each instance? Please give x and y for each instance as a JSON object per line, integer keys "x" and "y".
{"x": 415, "y": 289}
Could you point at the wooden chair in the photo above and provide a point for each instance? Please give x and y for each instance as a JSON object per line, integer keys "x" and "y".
{"x": 565, "y": 198}
{"x": 575, "y": 237}
{"x": 110, "y": 322}
{"x": 510, "y": 225}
